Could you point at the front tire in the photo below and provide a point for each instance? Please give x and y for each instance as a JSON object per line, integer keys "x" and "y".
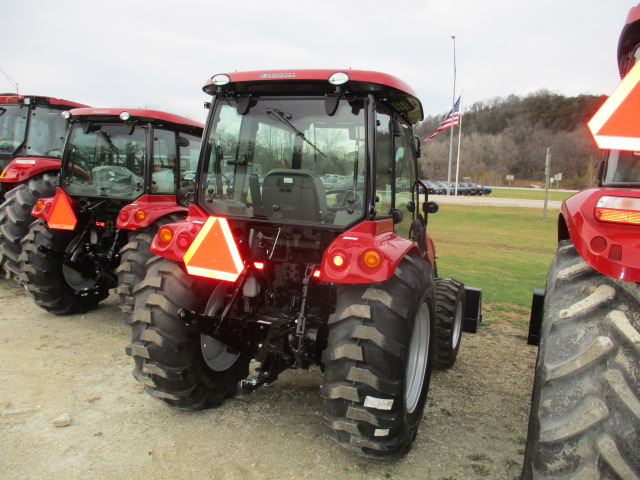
{"x": 15, "y": 219}
{"x": 169, "y": 355}
{"x": 378, "y": 361}
{"x": 585, "y": 409}
{"x": 449, "y": 319}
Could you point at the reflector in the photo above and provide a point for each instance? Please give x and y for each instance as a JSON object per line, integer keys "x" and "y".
{"x": 214, "y": 252}
{"x": 62, "y": 216}
{"x": 615, "y": 126}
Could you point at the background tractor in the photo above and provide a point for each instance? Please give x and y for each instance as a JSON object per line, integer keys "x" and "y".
{"x": 32, "y": 134}
{"x": 306, "y": 245}
{"x": 120, "y": 181}
{"x": 585, "y": 412}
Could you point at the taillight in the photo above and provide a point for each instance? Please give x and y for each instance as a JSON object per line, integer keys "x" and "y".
{"x": 371, "y": 258}
{"x": 165, "y": 235}
{"x": 140, "y": 215}
{"x": 184, "y": 241}
{"x": 624, "y": 210}
{"x": 339, "y": 260}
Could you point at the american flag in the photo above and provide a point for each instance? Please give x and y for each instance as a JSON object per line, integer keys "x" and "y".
{"x": 451, "y": 120}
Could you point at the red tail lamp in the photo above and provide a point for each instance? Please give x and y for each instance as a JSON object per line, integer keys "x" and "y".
{"x": 184, "y": 241}
{"x": 258, "y": 265}
{"x": 339, "y": 260}
{"x": 123, "y": 216}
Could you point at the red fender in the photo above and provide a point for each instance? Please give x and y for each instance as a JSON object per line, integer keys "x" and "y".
{"x": 613, "y": 249}
{"x": 23, "y": 168}
{"x": 345, "y": 259}
{"x": 181, "y": 235}
{"x": 146, "y": 210}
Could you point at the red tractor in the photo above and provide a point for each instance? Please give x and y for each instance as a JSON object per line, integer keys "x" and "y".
{"x": 585, "y": 412}
{"x": 121, "y": 179}
{"x": 32, "y": 134}
{"x": 301, "y": 250}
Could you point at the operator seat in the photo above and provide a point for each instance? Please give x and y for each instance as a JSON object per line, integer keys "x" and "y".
{"x": 294, "y": 195}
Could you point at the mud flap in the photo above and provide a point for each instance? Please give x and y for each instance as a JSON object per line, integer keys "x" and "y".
{"x": 472, "y": 309}
{"x": 535, "y": 321}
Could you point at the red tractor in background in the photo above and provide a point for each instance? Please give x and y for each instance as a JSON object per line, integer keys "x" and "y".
{"x": 32, "y": 134}
{"x": 301, "y": 250}
{"x": 585, "y": 412}
{"x": 121, "y": 179}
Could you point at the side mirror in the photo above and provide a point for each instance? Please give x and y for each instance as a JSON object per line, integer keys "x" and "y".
{"x": 397, "y": 216}
{"x": 331, "y": 104}
{"x": 183, "y": 142}
{"x": 411, "y": 206}
{"x": 417, "y": 149}
{"x": 430, "y": 207}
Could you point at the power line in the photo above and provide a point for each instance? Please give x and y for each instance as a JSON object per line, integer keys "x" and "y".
{"x": 14, "y": 83}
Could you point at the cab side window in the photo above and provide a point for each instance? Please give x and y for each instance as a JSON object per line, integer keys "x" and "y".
{"x": 164, "y": 161}
{"x": 384, "y": 164}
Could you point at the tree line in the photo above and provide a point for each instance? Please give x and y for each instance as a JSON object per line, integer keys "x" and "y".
{"x": 510, "y": 136}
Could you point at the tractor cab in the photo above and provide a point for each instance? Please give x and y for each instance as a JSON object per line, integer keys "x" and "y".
{"x": 31, "y": 130}
{"x": 294, "y": 159}
{"x": 122, "y": 154}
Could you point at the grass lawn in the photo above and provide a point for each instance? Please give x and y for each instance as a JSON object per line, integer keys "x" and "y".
{"x": 504, "y": 251}
{"x": 530, "y": 193}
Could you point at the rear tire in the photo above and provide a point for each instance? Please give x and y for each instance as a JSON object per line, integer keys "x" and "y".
{"x": 449, "y": 319}
{"x": 378, "y": 361}
{"x": 585, "y": 409}
{"x": 133, "y": 259}
{"x": 15, "y": 219}
{"x": 168, "y": 354}
{"x": 44, "y": 277}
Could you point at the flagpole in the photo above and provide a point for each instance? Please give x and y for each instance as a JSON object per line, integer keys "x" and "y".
{"x": 459, "y": 140}
{"x": 453, "y": 37}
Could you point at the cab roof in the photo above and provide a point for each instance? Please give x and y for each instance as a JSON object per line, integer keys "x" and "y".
{"x": 399, "y": 95}
{"x": 6, "y": 98}
{"x": 153, "y": 116}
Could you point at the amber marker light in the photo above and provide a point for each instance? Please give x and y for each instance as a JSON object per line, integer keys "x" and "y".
{"x": 140, "y": 215}
{"x": 371, "y": 258}
{"x": 618, "y": 210}
{"x": 40, "y": 205}
{"x": 165, "y": 235}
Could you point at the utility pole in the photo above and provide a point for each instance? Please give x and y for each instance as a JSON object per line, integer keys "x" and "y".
{"x": 547, "y": 169}
{"x": 453, "y": 37}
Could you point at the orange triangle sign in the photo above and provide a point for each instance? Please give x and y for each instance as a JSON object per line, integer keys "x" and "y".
{"x": 62, "y": 216}
{"x": 214, "y": 253}
{"x": 616, "y": 125}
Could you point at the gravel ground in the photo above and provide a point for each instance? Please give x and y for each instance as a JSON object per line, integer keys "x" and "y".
{"x": 51, "y": 367}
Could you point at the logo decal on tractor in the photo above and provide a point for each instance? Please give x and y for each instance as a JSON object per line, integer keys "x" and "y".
{"x": 278, "y": 75}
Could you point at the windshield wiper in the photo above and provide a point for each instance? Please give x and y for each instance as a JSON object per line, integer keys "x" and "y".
{"x": 2, "y": 111}
{"x": 280, "y": 116}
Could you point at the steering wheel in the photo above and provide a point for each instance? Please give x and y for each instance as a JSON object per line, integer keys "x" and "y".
{"x": 349, "y": 199}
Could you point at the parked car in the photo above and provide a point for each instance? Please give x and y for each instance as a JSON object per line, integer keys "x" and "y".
{"x": 434, "y": 189}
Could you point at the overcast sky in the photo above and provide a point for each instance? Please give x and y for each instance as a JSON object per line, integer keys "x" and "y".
{"x": 158, "y": 54}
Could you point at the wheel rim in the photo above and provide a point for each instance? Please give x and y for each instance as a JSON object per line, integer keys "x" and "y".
{"x": 418, "y": 357}
{"x": 216, "y": 354}
{"x": 457, "y": 327}
{"x": 74, "y": 278}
